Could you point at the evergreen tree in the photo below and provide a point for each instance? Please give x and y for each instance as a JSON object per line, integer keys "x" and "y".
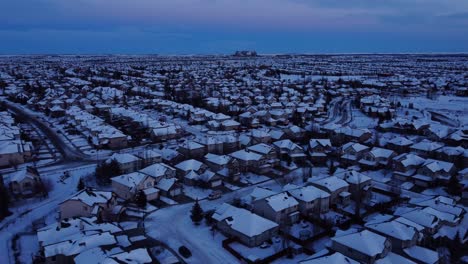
{"x": 454, "y": 186}
{"x": 107, "y": 170}
{"x": 140, "y": 199}
{"x": 81, "y": 185}
{"x": 196, "y": 213}
{"x": 4, "y": 203}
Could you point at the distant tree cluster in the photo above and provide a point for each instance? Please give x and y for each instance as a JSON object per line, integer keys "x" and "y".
{"x": 4, "y": 202}
{"x": 106, "y": 170}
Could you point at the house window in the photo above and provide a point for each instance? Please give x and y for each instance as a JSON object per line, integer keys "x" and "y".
{"x": 85, "y": 208}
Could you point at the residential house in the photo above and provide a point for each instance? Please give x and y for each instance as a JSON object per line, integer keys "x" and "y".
{"x": 190, "y": 168}
{"x": 128, "y": 185}
{"x": 334, "y": 186}
{"x": 251, "y": 161}
{"x": 377, "y": 158}
{"x": 406, "y": 165}
{"x": 287, "y": 149}
{"x": 426, "y": 148}
{"x": 191, "y": 149}
{"x": 249, "y": 228}
{"x": 224, "y": 165}
{"x": 149, "y": 157}
{"x": 281, "y": 208}
{"x": 399, "y": 144}
{"x": 169, "y": 187}
{"x": 319, "y": 149}
{"x": 25, "y": 182}
{"x": 352, "y": 152}
{"x": 267, "y": 151}
{"x": 432, "y": 170}
{"x": 127, "y": 162}
{"x": 359, "y": 184}
{"x": 401, "y": 235}
{"x": 89, "y": 203}
{"x": 158, "y": 171}
{"x": 372, "y": 246}
{"x": 312, "y": 200}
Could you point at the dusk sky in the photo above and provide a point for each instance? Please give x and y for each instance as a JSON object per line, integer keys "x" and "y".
{"x": 223, "y": 26}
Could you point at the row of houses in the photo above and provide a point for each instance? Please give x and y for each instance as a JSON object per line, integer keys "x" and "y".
{"x": 13, "y": 150}
{"x": 87, "y": 240}
{"x": 96, "y": 130}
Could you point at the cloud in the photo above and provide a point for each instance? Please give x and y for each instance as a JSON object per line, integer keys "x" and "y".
{"x": 220, "y": 25}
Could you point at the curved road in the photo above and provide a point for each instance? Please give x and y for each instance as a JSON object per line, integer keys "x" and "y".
{"x": 68, "y": 152}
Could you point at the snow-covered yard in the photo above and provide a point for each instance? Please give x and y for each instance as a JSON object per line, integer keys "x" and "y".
{"x": 250, "y": 178}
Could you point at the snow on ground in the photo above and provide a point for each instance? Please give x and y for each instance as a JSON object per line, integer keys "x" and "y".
{"x": 257, "y": 252}
{"x": 360, "y": 120}
{"x": 28, "y": 247}
{"x": 174, "y": 226}
{"x": 196, "y": 192}
{"x": 22, "y": 217}
{"x": 250, "y": 178}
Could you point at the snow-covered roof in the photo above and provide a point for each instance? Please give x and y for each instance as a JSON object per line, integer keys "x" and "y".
{"x": 243, "y": 221}
{"x": 394, "y": 229}
{"x": 281, "y": 201}
{"x": 308, "y": 193}
{"x": 189, "y": 165}
{"x": 335, "y": 258}
{"x": 123, "y": 158}
{"x": 92, "y": 197}
{"x": 352, "y": 176}
{"x": 370, "y": 243}
{"x": 130, "y": 180}
{"x": 245, "y": 155}
{"x": 422, "y": 254}
{"x": 331, "y": 183}
{"x": 156, "y": 170}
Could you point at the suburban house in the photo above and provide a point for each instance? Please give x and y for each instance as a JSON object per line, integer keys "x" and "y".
{"x": 364, "y": 246}
{"x": 169, "y": 187}
{"x": 432, "y": 170}
{"x": 226, "y": 166}
{"x": 192, "y": 149}
{"x": 426, "y": 148}
{"x": 401, "y": 235}
{"x": 312, "y": 200}
{"x": 266, "y": 150}
{"x": 159, "y": 170}
{"x": 149, "y": 157}
{"x": 418, "y": 218}
{"x": 260, "y": 136}
{"x": 406, "y": 165}
{"x": 249, "y": 228}
{"x": 377, "y": 158}
{"x": 359, "y": 184}
{"x": 399, "y": 144}
{"x": 212, "y": 144}
{"x": 287, "y": 148}
{"x": 352, "y": 152}
{"x": 335, "y": 258}
{"x": 25, "y": 182}
{"x": 128, "y": 185}
{"x": 319, "y": 149}
{"x": 334, "y": 186}
{"x": 281, "y": 208}
{"x": 190, "y": 166}
{"x": 127, "y": 162}
{"x": 89, "y": 203}
{"x": 251, "y": 161}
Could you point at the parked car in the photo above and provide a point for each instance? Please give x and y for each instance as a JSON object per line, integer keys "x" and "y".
{"x": 214, "y": 195}
{"x": 185, "y": 252}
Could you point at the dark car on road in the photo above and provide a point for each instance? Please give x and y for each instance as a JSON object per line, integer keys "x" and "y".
{"x": 185, "y": 252}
